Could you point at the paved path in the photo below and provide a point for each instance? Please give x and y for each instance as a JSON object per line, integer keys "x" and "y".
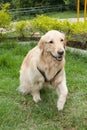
{"x": 74, "y": 19}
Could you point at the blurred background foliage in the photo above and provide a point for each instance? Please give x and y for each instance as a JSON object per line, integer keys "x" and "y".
{"x": 34, "y": 3}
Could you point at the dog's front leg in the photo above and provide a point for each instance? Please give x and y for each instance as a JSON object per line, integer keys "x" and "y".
{"x": 36, "y": 96}
{"x": 62, "y": 93}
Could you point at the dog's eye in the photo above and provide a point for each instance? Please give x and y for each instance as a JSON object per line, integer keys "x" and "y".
{"x": 51, "y": 41}
{"x": 61, "y": 40}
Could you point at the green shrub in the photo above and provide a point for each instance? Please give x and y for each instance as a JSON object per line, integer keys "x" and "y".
{"x": 5, "y": 17}
{"x": 23, "y": 28}
{"x": 79, "y": 28}
{"x": 20, "y": 28}
{"x": 45, "y": 23}
{"x": 74, "y": 31}
{"x": 79, "y": 31}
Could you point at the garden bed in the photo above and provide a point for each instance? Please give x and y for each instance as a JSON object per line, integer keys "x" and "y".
{"x": 76, "y": 33}
{"x": 74, "y": 44}
{"x": 77, "y": 44}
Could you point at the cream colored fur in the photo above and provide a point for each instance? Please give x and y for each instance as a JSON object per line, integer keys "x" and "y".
{"x": 44, "y": 56}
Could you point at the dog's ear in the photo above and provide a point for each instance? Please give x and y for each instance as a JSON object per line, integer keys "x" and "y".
{"x": 41, "y": 43}
{"x": 65, "y": 39}
{"x": 65, "y": 42}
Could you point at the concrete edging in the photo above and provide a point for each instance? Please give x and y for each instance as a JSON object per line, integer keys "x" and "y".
{"x": 76, "y": 50}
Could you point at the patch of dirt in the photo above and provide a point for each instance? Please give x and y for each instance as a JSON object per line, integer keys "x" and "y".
{"x": 77, "y": 44}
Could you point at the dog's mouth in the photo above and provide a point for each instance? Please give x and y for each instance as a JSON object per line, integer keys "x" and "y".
{"x": 58, "y": 58}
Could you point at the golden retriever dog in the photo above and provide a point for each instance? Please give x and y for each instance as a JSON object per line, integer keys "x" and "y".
{"x": 45, "y": 64}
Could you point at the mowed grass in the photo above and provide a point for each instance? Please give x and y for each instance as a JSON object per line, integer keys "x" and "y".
{"x": 64, "y": 14}
{"x": 19, "y": 112}
{"x": 56, "y": 15}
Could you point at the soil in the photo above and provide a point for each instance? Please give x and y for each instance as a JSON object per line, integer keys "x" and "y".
{"x": 77, "y": 44}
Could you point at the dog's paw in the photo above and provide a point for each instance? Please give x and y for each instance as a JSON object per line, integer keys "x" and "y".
{"x": 36, "y": 98}
{"x": 60, "y": 106}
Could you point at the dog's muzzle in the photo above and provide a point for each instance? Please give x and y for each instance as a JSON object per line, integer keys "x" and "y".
{"x": 60, "y": 55}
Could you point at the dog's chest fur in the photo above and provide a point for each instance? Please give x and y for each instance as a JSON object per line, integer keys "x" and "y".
{"x": 50, "y": 66}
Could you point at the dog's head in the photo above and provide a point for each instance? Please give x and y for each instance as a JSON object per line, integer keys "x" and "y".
{"x": 53, "y": 42}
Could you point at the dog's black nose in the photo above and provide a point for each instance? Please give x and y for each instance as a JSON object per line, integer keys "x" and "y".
{"x": 60, "y": 52}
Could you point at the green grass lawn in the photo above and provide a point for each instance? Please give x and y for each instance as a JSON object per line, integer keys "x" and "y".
{"x": 57, "y": 15}
{"x": 19, "y": 112}
{"x": 65, "y": 14}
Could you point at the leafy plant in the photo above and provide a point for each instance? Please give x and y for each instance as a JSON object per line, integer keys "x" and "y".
{"x": 79, "y": 31}
{"x": 74, "y": 31}
{"x": 20, "y": 28}
{"x": 42, "y": 23}
{"x": 5, "y": 17}
{"x": 45, "y": 23}
{"x": 23, "y": 28}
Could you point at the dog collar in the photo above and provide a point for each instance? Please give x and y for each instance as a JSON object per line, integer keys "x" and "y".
{"x": 44, "y": 76}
